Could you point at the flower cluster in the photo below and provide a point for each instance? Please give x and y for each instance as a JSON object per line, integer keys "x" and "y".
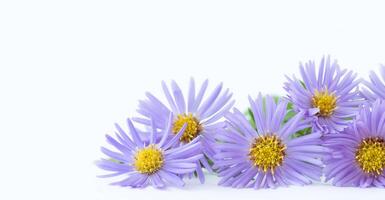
{"x": 330, "y": 123}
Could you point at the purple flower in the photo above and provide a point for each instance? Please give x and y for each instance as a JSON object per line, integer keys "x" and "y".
{"x": 376, "y": 87}
{"x": 358, "y": 153}
{"x": 200, "y": 115}
{"x": 152, "y": 161}
{"x": 267, "y": 156}
{"x": 330, "y": 98}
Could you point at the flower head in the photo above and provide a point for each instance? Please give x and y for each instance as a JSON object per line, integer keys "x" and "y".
{"x": 330, "y": 98}
{"x": 201, "y": 115}
{"x": 150, "y": 161}
{"x": 376, "y": 87}
{"x": 358, "y": 153}
{"x": 267, "y": 156}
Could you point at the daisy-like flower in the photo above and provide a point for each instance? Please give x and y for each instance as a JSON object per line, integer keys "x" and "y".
{"x": 152, "y": 161}
{"x": 376, "y": 87}
{"x": 200, "y": 115}
{"x": 267, "y": 156}
{"x": 358, "y": 153}
{"x": 331, "y": 97}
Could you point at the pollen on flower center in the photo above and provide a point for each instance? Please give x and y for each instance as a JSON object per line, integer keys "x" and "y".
{"x": 325, "y": 102}
{"x": 370, "y": 155}
{"x": 148, "y": 160}
{"x": 192, "y": 130}
{"x": 267, "y": 152}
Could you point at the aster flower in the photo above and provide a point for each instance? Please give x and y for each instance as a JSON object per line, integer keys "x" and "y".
{"x": 268, "y": 156}
{"x": 376, "y": 87}
{"x": 200, "y": 115}
{"x": 358, "y": 153}
{"x": 152, "y": 161}
{"x": 330, "y": 98}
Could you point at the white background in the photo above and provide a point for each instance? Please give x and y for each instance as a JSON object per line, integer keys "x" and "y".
{"x": 70, "y": 69}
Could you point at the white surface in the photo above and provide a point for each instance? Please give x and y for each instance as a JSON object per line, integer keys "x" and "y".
{"x": 70, "y": 69}
{"x": 194, "y": 190}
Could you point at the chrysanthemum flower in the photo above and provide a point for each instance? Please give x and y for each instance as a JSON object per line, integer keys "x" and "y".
{"x": 153, "y": 161}
{"x": 267, "y": 156}
{"x": 376, "y": 87}
{"x": 330, "y": 98}
{"x": 358, "y": 153}
{"x": 200, "y": 115}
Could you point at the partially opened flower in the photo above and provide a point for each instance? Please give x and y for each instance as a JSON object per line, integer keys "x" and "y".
{"x": 152, "y": 161}
{"x": 201, "y": 115}
{"x": 267, "y": 156}
{"x": 376, "y": 87}
{"x": 330, "y": 98}
{"x": 358, "y": 153}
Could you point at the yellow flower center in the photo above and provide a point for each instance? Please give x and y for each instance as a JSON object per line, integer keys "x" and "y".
{"x": 325, "y": 102}
{"x": 192, "y": 130}
{"x": 267, "y": 152}
{"x": 148, "y": 160}
{"x": 370, "y": 155}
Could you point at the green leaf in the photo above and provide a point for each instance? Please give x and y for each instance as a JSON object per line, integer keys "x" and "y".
{"x": 301, "y": 133}
{"x": 303, "y": 84}
{"x": 250, "y": 117}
